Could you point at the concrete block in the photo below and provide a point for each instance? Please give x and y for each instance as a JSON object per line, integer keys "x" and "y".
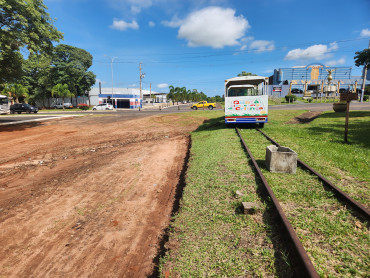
{"x": 249, "y": 207}
{"x": 281, "y": 159}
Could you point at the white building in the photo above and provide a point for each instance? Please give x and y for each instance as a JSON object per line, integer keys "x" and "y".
{"x": 124, "y": 97}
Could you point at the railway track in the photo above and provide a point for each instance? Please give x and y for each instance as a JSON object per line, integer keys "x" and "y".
{"x": 300, "y": 257}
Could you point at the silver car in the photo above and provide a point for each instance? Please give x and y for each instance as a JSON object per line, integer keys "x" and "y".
{"x": 103, "y": 106}
{"x": 66, "y": 105}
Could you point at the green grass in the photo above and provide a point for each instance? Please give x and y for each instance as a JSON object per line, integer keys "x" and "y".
{"x": 209, "y": 235}
{"x": 328, "y": 231}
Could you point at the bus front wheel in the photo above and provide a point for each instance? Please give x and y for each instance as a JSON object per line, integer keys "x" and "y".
{"x": 261, "y": 125}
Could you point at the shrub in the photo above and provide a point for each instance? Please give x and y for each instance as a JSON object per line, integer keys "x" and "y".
{"x": 366, "y": 97}
{"x": 290, "y": 98}
{"x": 83, "y": 106}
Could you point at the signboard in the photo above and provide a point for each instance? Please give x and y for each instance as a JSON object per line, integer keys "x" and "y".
{"x": 348, "y": 96}
{"x": 276, "y": 89}
{"x": 246, "y": 106}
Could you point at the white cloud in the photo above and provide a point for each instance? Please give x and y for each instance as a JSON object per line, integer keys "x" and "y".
{"x": 365, "y": 33}
{"x": 315, "y": 52}
{"x": 340, "y": 61}
{"x": 123, "y": 25}
{"x": 151, "y": 24}
{"x": 175, "y": 22}
{"x": 212, "y": 26}
{"x": 162, "y": 85}
{"x": 247, "y": 39}
{"x": 243, "y": 47}
{"x": 135, "y": 6}
{"x": 262, "y": 46}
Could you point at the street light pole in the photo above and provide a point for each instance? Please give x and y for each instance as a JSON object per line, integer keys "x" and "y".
{"x": 141, "y": 77}
{"x": 111, "y": 66}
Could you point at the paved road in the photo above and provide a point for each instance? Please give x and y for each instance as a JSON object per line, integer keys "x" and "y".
{"x": 354, "y": 106}
{"x": 127, "y": 113}
{"x": 149, "y": 111}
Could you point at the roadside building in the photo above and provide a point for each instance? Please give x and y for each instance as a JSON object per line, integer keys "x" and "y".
{"x": 128, "y": 98}
{"x": 312, "y": 78}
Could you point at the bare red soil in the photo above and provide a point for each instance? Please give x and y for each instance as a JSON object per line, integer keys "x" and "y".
{"x": 89, "y": 196}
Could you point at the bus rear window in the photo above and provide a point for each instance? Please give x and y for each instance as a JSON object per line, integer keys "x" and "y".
{"x": 3, "y": 100}
{"x": 242, "y": 92}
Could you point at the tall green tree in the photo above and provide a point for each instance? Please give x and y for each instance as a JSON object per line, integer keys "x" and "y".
{"x": 23, "y": 24}
{"x": 70, "y": 66}
{"x": 37, "y": 77}
{"x": 62, "y": 91}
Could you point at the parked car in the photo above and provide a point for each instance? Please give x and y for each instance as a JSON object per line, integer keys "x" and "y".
{"x": 103, "y": 106}
{"x": 204, "y": 104}
{"x": 66, "y": 105}
{"x": 23, "y": 107}
{"x": 297, "y": 91}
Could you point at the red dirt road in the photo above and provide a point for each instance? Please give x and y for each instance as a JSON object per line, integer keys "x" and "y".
{"x": 89, "y": 196}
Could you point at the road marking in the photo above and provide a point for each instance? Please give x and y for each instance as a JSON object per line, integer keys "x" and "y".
{"x": 39, "y": 120}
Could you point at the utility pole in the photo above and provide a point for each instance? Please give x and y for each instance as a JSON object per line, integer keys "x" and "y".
{"x": 141, "y": 77}
{"x": 364, "y": 80}
{"x": 111, "y": 66}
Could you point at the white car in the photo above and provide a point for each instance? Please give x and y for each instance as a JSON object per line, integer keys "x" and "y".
{"x": 103, "y": 106}
{"x": 66, "y": 105}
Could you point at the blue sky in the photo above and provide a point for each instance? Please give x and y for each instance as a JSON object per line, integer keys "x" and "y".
{"x": 200, "y": 43}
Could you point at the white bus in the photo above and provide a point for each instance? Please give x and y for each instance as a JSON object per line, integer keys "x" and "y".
{"x": 4, "y": 105}
{"x": 246, "y": 100}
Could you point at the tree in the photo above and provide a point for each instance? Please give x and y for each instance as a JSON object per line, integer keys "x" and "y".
{"x": 61, "y": 90}
{"x": 23, "y": 24}
{"x": 37, "y": 77}
{"x": 246, "y": 74}
{"x": 16, "y": 91}
{"x": 362, "y": 58}
{"x": 69, "y": 66}
{"x": 171, "y": 94}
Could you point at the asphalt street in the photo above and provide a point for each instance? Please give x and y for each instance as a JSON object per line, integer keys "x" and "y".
{"x": 156, "y": 110}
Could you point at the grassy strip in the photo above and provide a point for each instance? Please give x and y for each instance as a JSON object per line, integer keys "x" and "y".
{"x": 336, "y": 241}
{"x": 321, "y": 145}
{"x": 210, "y": 236}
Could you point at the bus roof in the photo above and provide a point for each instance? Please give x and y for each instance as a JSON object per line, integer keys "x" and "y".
{"x": 2, "y": 96}
{"x": 243, "y": 86}
{"x": 244, "y": 80}
{"x": 249, "y": 77}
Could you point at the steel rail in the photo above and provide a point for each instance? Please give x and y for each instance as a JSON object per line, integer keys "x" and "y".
{"x": 306, "y": 268}
{"x": 340, "y": 194}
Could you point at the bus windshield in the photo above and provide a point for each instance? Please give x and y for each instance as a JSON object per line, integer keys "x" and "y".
{"x": 3, "y": 100}
{"x": 243, "y": 91}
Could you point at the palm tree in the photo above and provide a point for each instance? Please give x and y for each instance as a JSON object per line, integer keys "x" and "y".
{"x": 177, "y": 94}
{"x": 171, "y": 94}
{"x": 183, "y": 94}
{"x": 61, "y": 90}
{"x": 188, "y": 95}
{"x": 16, "y": 91}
